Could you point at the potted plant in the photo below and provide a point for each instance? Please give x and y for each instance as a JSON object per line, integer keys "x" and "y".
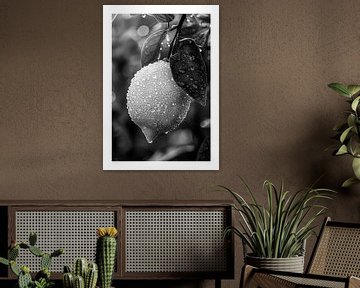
{"x": 348, "y": 132}
{"x": 42, "y": 278}
{"x": 276, "y": 233}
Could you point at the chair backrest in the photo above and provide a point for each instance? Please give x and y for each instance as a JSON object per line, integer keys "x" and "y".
{"x": 337, "y": 251}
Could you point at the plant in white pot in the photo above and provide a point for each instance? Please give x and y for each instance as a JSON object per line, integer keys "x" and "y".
{"x": 276, "y": 233}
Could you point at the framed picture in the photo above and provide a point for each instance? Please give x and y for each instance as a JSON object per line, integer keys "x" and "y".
{"x": 161, "y": 87}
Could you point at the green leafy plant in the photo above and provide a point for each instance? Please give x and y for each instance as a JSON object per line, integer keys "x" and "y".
{"x": 348, "y": 132}
{"x": 42, "y": 278}
{"x": 279, "y": 229}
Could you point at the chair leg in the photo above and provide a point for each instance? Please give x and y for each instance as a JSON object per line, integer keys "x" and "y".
{"x": 217, "y": 283}
{"x": 246, "y": 276}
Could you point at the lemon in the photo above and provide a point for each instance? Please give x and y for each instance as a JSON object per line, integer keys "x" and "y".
{"x": 155, "y": 102}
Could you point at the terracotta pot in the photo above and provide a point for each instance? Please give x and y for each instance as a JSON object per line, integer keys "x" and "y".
{"x": 291, "y": 264}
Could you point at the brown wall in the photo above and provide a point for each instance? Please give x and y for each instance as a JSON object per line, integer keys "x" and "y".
{"x": 276, "y": 112}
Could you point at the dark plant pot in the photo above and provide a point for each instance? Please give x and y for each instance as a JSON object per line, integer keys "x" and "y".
{"x": 291, "y": 264}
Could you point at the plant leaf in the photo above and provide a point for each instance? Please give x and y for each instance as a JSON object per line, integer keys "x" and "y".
{"x": 150, "y": 51}
{"x": 349, "y": 182}
{"x": 163, "y": 18}
{"x": 355, "y": 103}
{"x": 353, "y": 89}
{"x": 204, "y": 150}
{"x": 189, "y": 70}
{"x": 4, "y": 261}
{"x": 340, "y": 88}
{"x": 342, "y": 150}
{"x": 345, "y": 134}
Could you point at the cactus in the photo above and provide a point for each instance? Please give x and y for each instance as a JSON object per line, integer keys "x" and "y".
{"x": 79, "y": 282}
{"x": 68, "y": 280}
{"x": 105, "y": 254}
{"x": 45, "y": 261}
{"x": 24, "y": 280}
{"x": 80, "y": 267}
{"x": 91, "y": 276}
{"x": 42, "y": 278}
{"x": 88, "y": 273}
{"x": 13, "y": 253}
{"x": 32, "y": 238}
{"x": 36, "y": 251}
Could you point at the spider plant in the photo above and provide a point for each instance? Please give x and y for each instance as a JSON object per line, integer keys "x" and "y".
{"x": 279, "y": 229}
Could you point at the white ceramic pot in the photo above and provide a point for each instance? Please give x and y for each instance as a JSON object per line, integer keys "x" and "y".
{"x": 291, "y": 264}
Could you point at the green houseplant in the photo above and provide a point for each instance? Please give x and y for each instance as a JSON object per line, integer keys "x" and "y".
{"x": 348, "y": 132}
{"x": 42, "y": 278}
{"x": 275, "y": 233}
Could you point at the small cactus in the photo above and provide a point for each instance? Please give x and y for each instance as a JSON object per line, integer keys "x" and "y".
{"x": 106, "y": 254}
{"x": 83, "y": 274}
{"x": 45, "y": 261}
{"x": 91, "y": 276}
{"x": 80, "y": 268}
{"x": 79, "y": 282}
{"x": 24, "y": 278}
{"x": 68, "y": 280}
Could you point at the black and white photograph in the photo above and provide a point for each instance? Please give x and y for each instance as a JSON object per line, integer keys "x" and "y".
{"x": 161, "y": 87}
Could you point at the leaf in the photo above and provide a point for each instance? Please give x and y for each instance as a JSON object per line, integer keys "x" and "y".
{"x": 205, "y": 18}
{"x": 351, "y": 121}
{"x": 353, "y": 89}
{"x": 4, "y": 261}
{"x": 342, "y": 150}
{"x": 340, "y": 88}
{"x": 196, "y": 32}
{"x": 189, "y": 70}
{"x": 150, "y": 51}
{"x": 356, "y": 167}
{"x": 349, "y": 182}
{"x": 163, "y": 18}
{"x": 204, "y": 150}
{"x": 355, "y": 103}
{"x": 345, "y": 134}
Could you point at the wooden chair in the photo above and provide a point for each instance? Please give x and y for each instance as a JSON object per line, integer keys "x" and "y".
{"x": 334, "y": 263}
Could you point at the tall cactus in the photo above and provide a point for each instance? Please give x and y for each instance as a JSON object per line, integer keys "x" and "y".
{"x": 106, "y": 254}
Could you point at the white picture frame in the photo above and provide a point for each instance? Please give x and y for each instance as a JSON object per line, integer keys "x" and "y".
{"x": 108, "y": 13}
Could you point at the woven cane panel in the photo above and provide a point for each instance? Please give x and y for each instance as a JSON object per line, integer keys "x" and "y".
{"x": 299, "y": 281}
{"x": 175, "y": 241}
{"x": 74, "y": 231}
{"x": 338, "y": 253}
